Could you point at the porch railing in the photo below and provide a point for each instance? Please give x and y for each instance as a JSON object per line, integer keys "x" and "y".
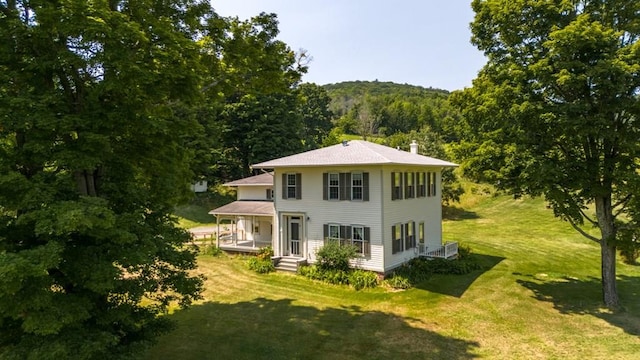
{"x": 446, "y": 251}
{"x": 295, "y": 247}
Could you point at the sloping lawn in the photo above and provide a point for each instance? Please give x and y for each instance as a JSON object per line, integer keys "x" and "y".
{"x": 538, "y": 298}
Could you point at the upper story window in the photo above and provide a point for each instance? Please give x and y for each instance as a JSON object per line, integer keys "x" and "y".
{"x": 345, "y": 186}
{"x": 292, "y": 186}
{"x": 396, "y": 185}
{"x": 409, "y": 185}
{"x": 356, "y": 186}
{"x": 432, "y": 183}
{"x": 334, "y": 186}
{"x": 421, "y": 184}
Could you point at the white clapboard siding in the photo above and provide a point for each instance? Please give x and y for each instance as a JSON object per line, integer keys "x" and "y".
{"x": 252, "y": 192}
{"x": 318, "y": 212}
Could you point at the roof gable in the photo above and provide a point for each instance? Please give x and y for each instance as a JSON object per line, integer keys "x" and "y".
{"x": 355, "y": 152}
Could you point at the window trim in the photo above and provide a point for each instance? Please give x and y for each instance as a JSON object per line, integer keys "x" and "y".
{"x": 353, "y": 186}
{"x": 336, "y": 187}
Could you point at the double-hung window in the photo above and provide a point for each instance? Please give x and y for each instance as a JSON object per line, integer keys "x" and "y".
{"x": 422, "y": 184}
{"x": 396, "y": 185}
{"x": 291, "y": 186}
{"x": 356, "y": 186}
{"x": 409, "y": 191}
{"x": 334, "y": 186}
{"x": 357, "y": 238}
{"x": 396, "y": 238}
{"x": 410, "y": 235}
{"x": 333, "y": 232}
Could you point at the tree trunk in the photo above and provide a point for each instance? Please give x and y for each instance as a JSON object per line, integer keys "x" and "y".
{"x": 604, "y": 212}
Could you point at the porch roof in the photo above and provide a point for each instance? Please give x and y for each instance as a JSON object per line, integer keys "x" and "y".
{"x": 245, "y": 207}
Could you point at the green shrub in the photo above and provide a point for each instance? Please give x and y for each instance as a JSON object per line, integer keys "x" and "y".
{"x": 311, "y": 272}
{"x": 260, "y": 266}
{"x": 337, "y": 277}
{"x": 333, "y": 256}
{"x": 398, "y": 282}
{"x": 265, "y": 253}
{"x": 361, "y": 279}
{"x": 210, "y": 250}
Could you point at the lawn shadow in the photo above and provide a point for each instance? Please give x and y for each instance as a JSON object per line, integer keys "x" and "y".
{"x": 455, "y": 213}
{"x": 279, "y": 329}
{"x": 456, "y": 285}
{"x": 584, "y": 297}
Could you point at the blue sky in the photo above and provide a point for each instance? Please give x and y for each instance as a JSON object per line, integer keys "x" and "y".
{"x": 424, "y": 43}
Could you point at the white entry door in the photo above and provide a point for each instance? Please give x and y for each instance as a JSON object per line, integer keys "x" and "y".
{"x": 294, "y": 239}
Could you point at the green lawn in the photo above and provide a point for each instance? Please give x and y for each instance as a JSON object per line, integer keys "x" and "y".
{"x": 196, "y": 212}
{"x": 538, "y": 298}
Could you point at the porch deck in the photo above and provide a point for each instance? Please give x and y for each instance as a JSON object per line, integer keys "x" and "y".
{"x": 447, "y": 251}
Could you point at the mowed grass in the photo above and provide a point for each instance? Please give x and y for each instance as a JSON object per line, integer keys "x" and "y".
{"x": 537, "y": 298}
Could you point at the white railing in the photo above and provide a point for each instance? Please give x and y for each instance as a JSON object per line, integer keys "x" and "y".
{"x": 295, "y": 247}
{"x": 448, "y": 250}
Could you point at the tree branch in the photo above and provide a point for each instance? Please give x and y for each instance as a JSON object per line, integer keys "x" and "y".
{"x": 590, "y": 237}
{"x": 584, "y": 215}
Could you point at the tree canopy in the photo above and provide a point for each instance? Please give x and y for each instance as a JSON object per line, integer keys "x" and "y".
{"x": 555, "y": 112}
{"x": 92, "y": 162}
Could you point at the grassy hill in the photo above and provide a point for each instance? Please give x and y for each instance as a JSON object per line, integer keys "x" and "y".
{"x": 538, "y": 297}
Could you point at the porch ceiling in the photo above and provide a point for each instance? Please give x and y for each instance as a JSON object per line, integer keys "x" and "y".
{"x": 245, "y": 207}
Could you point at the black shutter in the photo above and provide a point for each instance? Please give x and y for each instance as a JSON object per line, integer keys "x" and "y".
{"x": 393, "y": 240}
{"x": 429, "y": 184}
{"x": 268, "y": 196}
{"x": 342, "y": 186}
{"x": 284, "y": 186}
{"x": 413, "y": 234}
{"x": 348, "y": 235}
{"x": 343, "y": 231}
{"x": 325, "y": 186}
{"x": 393, "y": 186}
{"x": 367, "y": 242}
{"x": 298, "y": 186}
{"x": 325, "y": 231}
{"x": 347, "y": 186}
{"x": 406, "y": 185}
{"x": 365, "y": 186}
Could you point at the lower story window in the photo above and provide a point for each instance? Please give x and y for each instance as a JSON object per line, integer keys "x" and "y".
{"x": 352, "y": 235}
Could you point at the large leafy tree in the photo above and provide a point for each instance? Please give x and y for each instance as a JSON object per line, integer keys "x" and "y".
{"x": 92, "y": 162}
{"x": 251, "y": 99}
{"x": 555, "y": 112}
{"x": 313, "y": 106}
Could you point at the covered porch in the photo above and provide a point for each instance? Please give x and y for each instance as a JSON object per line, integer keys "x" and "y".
{"x": 244, "y": 226}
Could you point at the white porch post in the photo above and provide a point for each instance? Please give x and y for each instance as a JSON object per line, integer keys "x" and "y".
{"x": 253, "y": 227}
{"x": 234, "y": 234}
{"x": 218, "y": 231}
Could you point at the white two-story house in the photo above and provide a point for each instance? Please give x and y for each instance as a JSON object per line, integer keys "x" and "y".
{"x": 384, "y": 201}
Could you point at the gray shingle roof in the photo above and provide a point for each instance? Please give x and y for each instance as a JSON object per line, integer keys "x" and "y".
{"x": 265, "y": 179}
{"x": 245, "y": 207}
{"x": 355, "y": 152}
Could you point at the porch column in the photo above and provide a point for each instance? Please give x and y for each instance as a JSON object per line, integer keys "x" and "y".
{"x": 253, "y": 228}
{"x": 218, "y": 231}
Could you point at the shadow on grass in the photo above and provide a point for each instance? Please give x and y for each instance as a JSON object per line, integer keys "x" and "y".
{"x": 279, "y": 329}
{"x": 584, "y": 297}
{"x": 455, "y": 213}
{"x": 456, "y": 285}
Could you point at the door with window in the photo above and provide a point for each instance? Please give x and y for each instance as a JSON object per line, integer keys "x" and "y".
{"x": 294, "y": 236}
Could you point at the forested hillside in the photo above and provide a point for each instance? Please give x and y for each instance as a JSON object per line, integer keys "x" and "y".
{"x": 373, "y": 108}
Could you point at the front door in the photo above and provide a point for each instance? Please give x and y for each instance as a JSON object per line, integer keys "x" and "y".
{"x": 294, "y": 236}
